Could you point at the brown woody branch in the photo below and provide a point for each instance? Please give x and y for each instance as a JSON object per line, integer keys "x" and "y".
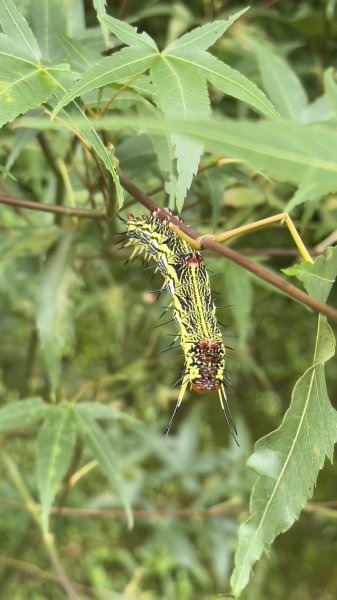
{"x": 234, "y": 256}
{"x": 208, "y": 243}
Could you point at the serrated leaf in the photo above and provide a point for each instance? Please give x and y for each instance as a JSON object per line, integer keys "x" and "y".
{"x": 288, "y": 460}
{"x": 318, "y": 277}
{"x": 303, "y": 194}
{"x": 53, "y": 319}
{"x": 55, "y": 448}
{"x": 239, "y": 296}
{"x": 182, "y": 94}
{"x": 22, "y": 413}
{"x": 128, "y": 34}
{"x": 23, "y": 85}
{"x": 205, "y": 36}
{"x": 299, "y": 154}
{"x": 281, "y": 83}
{"x": 121, "y": 66}
{"x": 232, "y": 82}
{"x": 16, "y": 27}
{"x": 100, "y": 447}
{"x": 77, "y": 119}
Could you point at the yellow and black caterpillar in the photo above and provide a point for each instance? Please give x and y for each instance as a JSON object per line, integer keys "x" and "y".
{"x": 187, "y": 280}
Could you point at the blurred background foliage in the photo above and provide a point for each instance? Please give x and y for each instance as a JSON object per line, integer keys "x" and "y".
{"x": 191, "y": 492}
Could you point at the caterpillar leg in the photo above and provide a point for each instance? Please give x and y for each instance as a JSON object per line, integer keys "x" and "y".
{"x": 180, "y": 399}
{"x": 283, "y": 217}
{"x": 227, "y": 413}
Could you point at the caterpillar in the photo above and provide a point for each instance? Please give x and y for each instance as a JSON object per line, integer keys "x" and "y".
{"x": 187, "y": 281}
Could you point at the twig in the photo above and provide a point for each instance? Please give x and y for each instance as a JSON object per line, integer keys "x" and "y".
{"x": 53, "y": 208}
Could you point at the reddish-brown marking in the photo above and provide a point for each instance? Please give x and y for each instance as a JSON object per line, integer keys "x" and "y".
{"x": 202, "y": 387}
{"x": 203, "y": 344}
{"x": 194, "y": 260}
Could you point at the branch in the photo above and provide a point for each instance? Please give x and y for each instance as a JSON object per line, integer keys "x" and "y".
{"x": 232, "y": 255}
{"x": 53, "y": 208}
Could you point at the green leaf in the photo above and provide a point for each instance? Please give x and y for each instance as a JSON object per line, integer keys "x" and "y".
{"x": 302, "y": 195}
{"x": 128, "y": 34}
{"x": 288, "y": 460}
{"x": 121, "y": 66}
{"x": 77, "y": 119}
{"x": 22, "y": 413}
{"x": 16, "y": 27}
{"x": 100, "y": 6}
{"x": 239, "y": 296}
{"x": 205, "y": 36}
{"x": 48, "y": 21}
{"x": 182, "y": 94}
{"x": 27, "y": 242}
{"x": 74, "y": 13}
{"x": 318, "y": 277}
{"x": 331, "y": 88}
{"x": 232, "y": 82}
{"x": 318, "y": 111}
{"x": 23, "y": 85}
{"x": 55, "y": 448}
{"x": 79, "y": 56}
{"x": 299, "y": 154}
{"x": 97, "y": 410}
{"x": 281, "y": 83}
{"x": 100, "y": 447}
{"x": 53, "y": 319}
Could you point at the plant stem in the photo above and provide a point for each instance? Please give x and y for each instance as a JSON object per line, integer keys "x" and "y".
{"x": 53, "y": 208}
{"x": 208, "y": 243}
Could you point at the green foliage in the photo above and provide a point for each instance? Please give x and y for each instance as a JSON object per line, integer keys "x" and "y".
{"x": 288, "y": 459}
{"x": 55, "y": 447}
{"x": 228, "y": 115}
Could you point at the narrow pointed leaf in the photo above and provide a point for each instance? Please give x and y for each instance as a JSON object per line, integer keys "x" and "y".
{"x": 121, "y": 66}
{"x": 182, "y": 94}
{"x": 100, "y": 6}
{"x": 331, "y": 88}
{"x": 53, "y": 319}
{"x": 100, "y": 411}
{"x": 128, "y": 34}
{"x": 77, "y": 119}
{"x": 203, "y": 37}
{"x": 55, "y": 448}
{"x": 302, "y": 194}
{"x": 232, "y": 82}
{"x": 280, "y": 82}
{"x": 287, "y": 151}
{"x": 16, "y": 27}
{"x": 48, "y": 21}
{"x": 288, "y": 460}
{"x": 101, "y": 449}
{"x": 22, "y": 413}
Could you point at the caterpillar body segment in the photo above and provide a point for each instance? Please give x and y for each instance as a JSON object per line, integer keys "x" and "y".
{"x": 187, "y": 281}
